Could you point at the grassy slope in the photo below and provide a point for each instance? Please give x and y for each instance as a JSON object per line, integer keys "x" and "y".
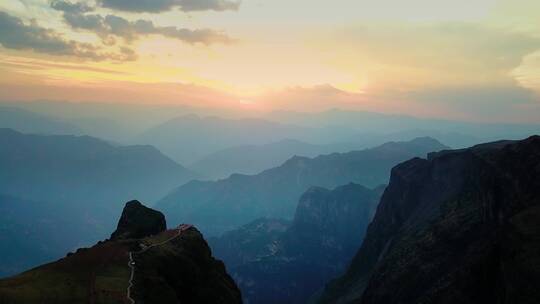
{"x": 96, "y": 275}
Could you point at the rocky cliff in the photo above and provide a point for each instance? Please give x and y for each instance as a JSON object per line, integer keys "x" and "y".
{"x": 460, "y": 227}
{"x": 273, "y": 263}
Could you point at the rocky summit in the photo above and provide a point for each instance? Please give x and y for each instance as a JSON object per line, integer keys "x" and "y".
{"x": 138, "y": 221}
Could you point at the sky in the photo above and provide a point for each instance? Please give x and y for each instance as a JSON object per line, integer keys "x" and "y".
{"x": 474, "y": 60}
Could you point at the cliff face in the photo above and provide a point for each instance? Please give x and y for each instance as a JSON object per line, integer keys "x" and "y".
{"x": 460, "y": 227}
{"x": 283, "y": 264}
{"x": 332, "y": 221}
{"x": 165, "y": 266}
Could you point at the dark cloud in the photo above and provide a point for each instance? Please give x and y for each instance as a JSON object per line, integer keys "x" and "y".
{"x": 15, "y": 34}
{"x": 156, "y": 6}
{"x": 69, "y": 7}
{"x": 111, "y": 25}
{"x": 204, "y": 36}
{"x": 204, "y": 5}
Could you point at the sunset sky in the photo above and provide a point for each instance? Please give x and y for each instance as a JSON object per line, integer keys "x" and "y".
{"x": 474, "y": 60}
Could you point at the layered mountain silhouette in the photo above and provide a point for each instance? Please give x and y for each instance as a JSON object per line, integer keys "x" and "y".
{"x": 83, "y": 169}
{"x": 459, "y": 227}
{"x": 379, "y": 125}
{"x": 229, "y": 203}
{"x": 165, "y": 266}
{"x": 75, "y": 183}
{"x": 190, "y": 138}
{"x": 273, "y": 262}
{"x": 252, "y": 159}
{"x": 30, "y": 122}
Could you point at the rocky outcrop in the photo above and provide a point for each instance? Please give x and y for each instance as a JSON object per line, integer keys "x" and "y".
{"x": 183, "y": 271}
{"x": 165, "y": 266}
{"x": 460, "y": 227}
{"x": 138, "y": 221}
{"x": 273, "y": 263}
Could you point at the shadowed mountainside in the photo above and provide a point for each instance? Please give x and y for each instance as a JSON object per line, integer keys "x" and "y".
{"x": 276, "y": 263}
{"x": 460, "y": 227}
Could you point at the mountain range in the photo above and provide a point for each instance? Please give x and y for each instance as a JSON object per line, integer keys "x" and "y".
{"x": 30, "y": 122}
{"x": 219, "y": 206}
{"x": 189, "y": 138}
{"x": 379, "y": 124}
{"x": 253, "y": 159}
{"x": 83, "y": 169}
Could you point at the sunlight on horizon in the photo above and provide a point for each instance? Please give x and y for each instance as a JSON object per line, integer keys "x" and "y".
{"x": 381, "y": 55}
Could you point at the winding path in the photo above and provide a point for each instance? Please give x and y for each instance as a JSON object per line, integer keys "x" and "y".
{"x": 131, "y": 263}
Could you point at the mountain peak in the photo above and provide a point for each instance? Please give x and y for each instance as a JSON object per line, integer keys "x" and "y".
{"x": 138, "y": 221}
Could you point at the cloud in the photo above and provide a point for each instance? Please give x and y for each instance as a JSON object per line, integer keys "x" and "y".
{"x": 73, "y": 8}
{"x": 156, "y": 6}
{"x": 33, "y": 65}
{"x": 203, "y": 5}
{"x": 14, "y": 34}
{"x": 111, "y": 25}
{"x": 412, "y": 56}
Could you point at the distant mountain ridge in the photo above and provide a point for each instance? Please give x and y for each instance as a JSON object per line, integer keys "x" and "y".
{"x": 239, "y": 199}
{"x": 70, "y": 168}
{"x": 460, "y": 227}
{"x": 383, "y": 123}
{"x": 253, "y": 159}
{"x": 77, "y": 181}
{"x": 189, "y": 138}
{"x": 30, "y": 122}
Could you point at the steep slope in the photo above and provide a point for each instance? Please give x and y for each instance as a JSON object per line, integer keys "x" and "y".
{"x": 77, "y": 182}
{"x": 172, "y": 266}
{"x": 229, "y": 203}
{"x": 275, "y": 264}
{"x": 460, "y": 227}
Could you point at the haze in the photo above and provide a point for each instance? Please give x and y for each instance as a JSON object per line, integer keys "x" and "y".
{"x": 476, "y": 61}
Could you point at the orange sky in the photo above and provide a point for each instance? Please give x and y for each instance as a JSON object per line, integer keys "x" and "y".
{"x": 455, "y": 59}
